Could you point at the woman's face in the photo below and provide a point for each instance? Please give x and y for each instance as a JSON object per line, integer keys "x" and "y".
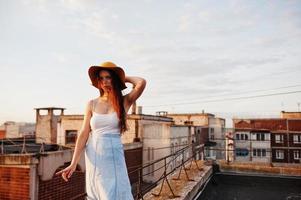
{"x": 105, "y": 80}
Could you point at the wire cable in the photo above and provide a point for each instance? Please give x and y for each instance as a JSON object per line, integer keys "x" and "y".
{"x": 228, "y": 99}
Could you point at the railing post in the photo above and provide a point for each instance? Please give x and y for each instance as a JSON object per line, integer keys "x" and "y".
{"x": 2, "y": 147}
{"x": 139, "y": 185}
{"x": 23, "y": 146}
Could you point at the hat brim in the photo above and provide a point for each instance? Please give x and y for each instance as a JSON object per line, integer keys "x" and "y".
{"x": 93, "y": 70}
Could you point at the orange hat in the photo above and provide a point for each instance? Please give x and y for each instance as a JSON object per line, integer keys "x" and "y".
{"x": 93, "y": 73}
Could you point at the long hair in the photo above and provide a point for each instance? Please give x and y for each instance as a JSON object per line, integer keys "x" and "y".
{"x": 117, "y": 99}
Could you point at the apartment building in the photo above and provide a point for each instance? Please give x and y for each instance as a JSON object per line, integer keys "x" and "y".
{"x": 276, "y": 140}
{"x": 209, "y": 128}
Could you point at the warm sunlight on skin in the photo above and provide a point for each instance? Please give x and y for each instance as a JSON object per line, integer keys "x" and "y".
{"x": 105, "y": 80}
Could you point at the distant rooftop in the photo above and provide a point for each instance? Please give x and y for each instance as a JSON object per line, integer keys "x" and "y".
{"x": 27, "y": 145}
{"x": 48, "y": 108}
{"x": 179, "y": 114}
{"x": 291, "y": 112}
{"x": 150, "y": 117}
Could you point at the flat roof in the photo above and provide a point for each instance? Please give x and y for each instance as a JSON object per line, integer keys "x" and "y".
{"x": 21, "y": 146}
{"x": 47, "y": 108}
{"x": 179, "y": 114}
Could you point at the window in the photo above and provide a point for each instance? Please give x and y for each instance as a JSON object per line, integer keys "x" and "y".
{"x": 279, "y": 154}
{"x": 297, "y": 155}
{"x": 260, "y": 136}
{"x": 188, "y": 122}
{"x": 237, "y": 136}
{"x": 297, "y": 139}
{"x": 70, "y": 136}
{"x": 264, "y": 152}
{"x": 242, "y": 152}
{"x": 212, "y": 133}
{"x": 259, "y": 152}
{"x": 278, "y": 138}
{"x": 241, "y": 136}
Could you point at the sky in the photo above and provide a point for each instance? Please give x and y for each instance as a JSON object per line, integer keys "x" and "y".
{"x": 235, "y": 59}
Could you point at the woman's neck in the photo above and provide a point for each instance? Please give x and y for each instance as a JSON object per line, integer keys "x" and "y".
{"x": 105, "y": 96}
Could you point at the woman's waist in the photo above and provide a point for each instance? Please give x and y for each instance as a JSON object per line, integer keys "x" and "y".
{"x": 102, "y": 133}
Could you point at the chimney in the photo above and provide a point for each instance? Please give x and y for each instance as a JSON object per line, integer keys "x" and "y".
{"x": 139, "y": 112}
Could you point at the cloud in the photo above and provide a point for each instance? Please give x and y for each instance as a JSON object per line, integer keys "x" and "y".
{"x": 196, "y": 49}
{"x": 210, "y": 21}
{"x": 96, "y": 25}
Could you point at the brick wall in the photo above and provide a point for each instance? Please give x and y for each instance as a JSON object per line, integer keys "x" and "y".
{"x": 291, "y": 140}
{"x": 294, "y": 124}
{"x": 284, "y": 143}
{"x": 58, "y": 189}
{"x": 259, "y": 124}
{"x": 291, "y": 154}
{"x": 284, "y": 160}
{"x": 2, "y": 134}
{"x": 14, "y": 183}
{"x": 133, "y": 158}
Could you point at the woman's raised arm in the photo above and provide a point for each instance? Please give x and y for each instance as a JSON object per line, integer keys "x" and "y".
{"x": 138, "y": 87}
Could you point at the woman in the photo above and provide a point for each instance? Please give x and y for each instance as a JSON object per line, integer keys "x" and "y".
{"x": 105, "y": 118}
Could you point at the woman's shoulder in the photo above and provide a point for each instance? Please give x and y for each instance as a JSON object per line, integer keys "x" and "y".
{"x": 90, "y": 101}
{"x": 90, "y": 104}
{"x": 93, "y": 100}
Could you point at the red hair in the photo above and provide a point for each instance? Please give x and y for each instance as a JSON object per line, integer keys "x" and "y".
{"x": 116, "y": 99}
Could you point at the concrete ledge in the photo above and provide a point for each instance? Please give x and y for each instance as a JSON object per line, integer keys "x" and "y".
{"x": 255, "y": 168}
{"x": 193, "y": 189}
{"x": 183, "y": 188}
{"x": 18, "y": 159}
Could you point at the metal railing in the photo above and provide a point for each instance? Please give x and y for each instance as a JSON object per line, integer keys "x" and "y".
{"x": 167, "y": 161}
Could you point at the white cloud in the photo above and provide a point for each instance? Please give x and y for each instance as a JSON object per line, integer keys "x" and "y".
{"x": 196, "y": 49}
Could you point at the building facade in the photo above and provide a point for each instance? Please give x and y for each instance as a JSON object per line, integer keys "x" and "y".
{"x": 276, "y": 140}
{"x": 209, "y": 129}
{"x": 160, "y": 138}
{"x": 11, "y": 129}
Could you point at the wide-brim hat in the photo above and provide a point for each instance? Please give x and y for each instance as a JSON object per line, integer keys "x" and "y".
{"x": 94, "y": 70}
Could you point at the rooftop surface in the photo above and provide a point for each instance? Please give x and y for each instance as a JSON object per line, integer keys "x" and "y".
{"x": 235, "y": 186}
{"x": 28, "y": 145}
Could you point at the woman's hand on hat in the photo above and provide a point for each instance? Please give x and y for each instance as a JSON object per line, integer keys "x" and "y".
{"x": 67, "y": 172}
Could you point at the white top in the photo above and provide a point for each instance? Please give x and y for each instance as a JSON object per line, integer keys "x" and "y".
{"x": 105, "y": 123}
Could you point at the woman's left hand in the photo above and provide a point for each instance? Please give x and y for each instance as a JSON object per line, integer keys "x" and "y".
{"x": 67, "y": 172}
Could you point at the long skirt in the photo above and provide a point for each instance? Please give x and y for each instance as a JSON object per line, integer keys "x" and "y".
{"x": 106, "y": 172}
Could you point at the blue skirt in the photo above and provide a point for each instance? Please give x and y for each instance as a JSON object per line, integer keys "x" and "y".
{"x": 106, "y": 172}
